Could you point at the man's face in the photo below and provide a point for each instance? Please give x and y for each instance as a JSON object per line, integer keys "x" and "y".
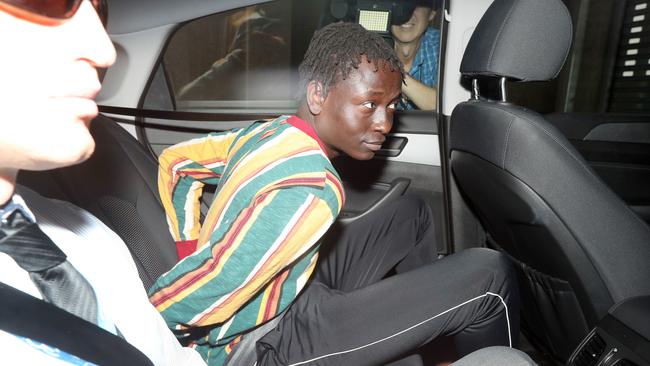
{"x": 414, "y": 27}
{"x": 47, "y": 85}
{"x": 357, "y": 113}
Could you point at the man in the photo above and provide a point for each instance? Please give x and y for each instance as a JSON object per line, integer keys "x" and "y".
{"x": 79, "y": 268}
{"x": 258, "y": 280}
{"x": 417, "y": 45}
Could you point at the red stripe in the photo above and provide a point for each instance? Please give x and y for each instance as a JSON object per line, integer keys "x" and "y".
{"x": 337, "y": 183}
{"x": 192, "y": 277}
{"x": 307, "y": 129}
{"x": 170, "y": 173}
{"x": 271, "y": 256}
{"x": 201, "y": 174}
{"x": 185, "y": 248}
{"x": 301, "y": 181}
{"x": 272, "y": 304}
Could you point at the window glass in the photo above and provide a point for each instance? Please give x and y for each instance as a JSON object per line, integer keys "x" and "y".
{"x": 224, "y": 60}
{"x": 246, "y": 60}
{"x": 608, "y": 68}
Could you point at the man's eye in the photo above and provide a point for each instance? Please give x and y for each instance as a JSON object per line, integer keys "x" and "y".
{"x": 392, "y": 105}
{"x": 369, "y": 105}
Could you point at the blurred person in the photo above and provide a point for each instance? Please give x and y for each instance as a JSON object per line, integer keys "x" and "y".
{"x": 53, "y": 255}
{"x": 417, "y": 45}
{"x": 253, "y": 63}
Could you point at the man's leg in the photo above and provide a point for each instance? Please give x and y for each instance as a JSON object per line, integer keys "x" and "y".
{"x": 346, "y": 316}
{"x": 364, "y": 251}
{"x": 470, "y": 295}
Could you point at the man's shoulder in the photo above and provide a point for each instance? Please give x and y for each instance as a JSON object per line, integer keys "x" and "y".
{"x": 71, "y": 227}
{"x": 279, "y": 141}
{"x": 431, "y": 39}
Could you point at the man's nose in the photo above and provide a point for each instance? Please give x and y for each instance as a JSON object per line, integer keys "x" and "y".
{"x": 93, "y": 43}
{"x": 383, "y": 122}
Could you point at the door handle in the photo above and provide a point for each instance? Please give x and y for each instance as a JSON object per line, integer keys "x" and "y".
{"x": 397, "y": 188}
{"x": 392, "y": 147}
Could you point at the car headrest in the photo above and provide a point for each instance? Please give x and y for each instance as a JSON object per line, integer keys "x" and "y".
{"x": 523, "y": 40}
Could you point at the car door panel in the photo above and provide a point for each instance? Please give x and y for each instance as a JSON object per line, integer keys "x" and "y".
{"x": 617, "y": 147}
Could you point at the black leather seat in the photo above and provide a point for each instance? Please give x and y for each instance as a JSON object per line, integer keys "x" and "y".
{"x": 579, "y": 249}
{"x": 117, "y": 185}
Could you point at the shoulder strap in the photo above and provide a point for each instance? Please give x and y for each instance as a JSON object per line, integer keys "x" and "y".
{"x": 24, "y": 315}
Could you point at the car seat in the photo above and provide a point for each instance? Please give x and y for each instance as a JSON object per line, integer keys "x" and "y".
{"x": 118, "y": 184}
{"x": 578, "y": 248}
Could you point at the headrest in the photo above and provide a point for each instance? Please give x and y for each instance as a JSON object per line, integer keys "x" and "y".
{"x": 525, "y": 40}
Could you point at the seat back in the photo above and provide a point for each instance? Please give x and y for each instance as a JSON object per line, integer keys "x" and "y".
{"x": 578, "y": 247}
{"x": 118, "y": 185}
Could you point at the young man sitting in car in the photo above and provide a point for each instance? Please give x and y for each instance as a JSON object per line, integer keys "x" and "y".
{"x": 268, "y": 278}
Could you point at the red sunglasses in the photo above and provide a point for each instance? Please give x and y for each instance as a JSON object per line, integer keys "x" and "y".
{"x": 50, "y": 12}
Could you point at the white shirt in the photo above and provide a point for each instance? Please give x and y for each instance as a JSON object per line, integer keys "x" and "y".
{"x": 104, "y": 260}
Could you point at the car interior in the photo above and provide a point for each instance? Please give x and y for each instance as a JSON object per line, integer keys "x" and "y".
{"x": 555, "y": 236}
{"x": 564, "y": 193}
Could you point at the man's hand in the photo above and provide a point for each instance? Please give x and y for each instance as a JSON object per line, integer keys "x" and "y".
{"x": 423, "y": 96}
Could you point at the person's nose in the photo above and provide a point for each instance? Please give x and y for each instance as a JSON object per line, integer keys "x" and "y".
{"x": 383, "y": 121}
{"x": 92, "y": 42}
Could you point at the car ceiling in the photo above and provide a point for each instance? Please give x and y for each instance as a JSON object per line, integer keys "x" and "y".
{"x": 128, "y": 16}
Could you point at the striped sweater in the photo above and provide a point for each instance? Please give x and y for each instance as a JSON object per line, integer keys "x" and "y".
{"x": 277, "y": 194}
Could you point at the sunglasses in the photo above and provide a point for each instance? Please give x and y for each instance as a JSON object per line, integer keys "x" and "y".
{"x": 50, "y": 12}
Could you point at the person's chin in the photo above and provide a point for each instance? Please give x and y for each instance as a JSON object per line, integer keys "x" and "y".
{"x": 76, "y": 148}
{"x": 405, "y": 35}
{"x": 362, "y": 155}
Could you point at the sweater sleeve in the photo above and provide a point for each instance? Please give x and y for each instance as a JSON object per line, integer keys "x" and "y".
{"x": 276, "y": 229}
{"x": 184, "y": 169}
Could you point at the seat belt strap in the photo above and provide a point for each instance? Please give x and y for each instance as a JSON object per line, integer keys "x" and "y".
{"x": 26, "y": 316}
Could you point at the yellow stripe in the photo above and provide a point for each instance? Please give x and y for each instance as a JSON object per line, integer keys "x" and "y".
{"x": 294, "y": 245}
{"x": 249, "y": 168}
{"x": 222, "y": 261}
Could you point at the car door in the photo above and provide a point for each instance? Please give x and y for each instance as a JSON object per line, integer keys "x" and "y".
{"x": 231, "y": 68}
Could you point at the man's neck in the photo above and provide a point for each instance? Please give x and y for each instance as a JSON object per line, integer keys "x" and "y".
{"x": 406, "y": 51}
{"x": 7, "y": 184}
{"x": 304, "y": 114}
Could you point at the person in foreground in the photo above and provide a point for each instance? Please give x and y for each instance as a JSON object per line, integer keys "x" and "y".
{"x": 268, "y": 278}
{"x": 55, "y": 257}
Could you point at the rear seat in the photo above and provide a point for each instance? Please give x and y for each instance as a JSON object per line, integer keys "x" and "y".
{"x": 118, "y": 185}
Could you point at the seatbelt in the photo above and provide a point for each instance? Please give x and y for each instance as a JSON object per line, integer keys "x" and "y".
{"x": 244, "y": 353}
{"x": 26, "y": 316}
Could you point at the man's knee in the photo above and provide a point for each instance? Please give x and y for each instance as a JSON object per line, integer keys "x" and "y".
{"x": 488, "y": 258}
{"x": 411, "y": 206}
{"x": 493, "y": 263}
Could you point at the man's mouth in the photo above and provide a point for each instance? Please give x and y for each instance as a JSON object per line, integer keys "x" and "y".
{"x": 374, "y": 145}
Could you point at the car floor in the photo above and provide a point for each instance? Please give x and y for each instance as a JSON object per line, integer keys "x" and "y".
{"x": 540, "y": 357}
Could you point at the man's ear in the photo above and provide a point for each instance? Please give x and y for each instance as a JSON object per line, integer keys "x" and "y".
{"x": 315, "y": 97}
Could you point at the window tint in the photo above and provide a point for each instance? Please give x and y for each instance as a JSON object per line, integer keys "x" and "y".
{"x": 630, "y": 88}
{"x": 608, "y": 68}
{"x": 242, "y": 61}
{"x": 227, "y": 59}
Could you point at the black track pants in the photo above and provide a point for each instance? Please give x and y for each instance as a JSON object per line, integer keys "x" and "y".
{"x": 350, "y": 314}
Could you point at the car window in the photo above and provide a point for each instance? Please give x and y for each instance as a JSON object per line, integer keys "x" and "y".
{"x": 246, "y": 60}
{"x": 608, "y": 69}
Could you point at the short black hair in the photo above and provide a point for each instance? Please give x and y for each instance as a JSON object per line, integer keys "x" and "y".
{"x": 336, "y": 50}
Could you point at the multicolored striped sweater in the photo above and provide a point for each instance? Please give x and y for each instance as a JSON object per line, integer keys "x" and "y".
{"x": 277, "y": 194}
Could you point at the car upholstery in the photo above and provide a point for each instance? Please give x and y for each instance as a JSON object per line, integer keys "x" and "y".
{"x": 117, "y": 185}
{"x": 578, "y": 247}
